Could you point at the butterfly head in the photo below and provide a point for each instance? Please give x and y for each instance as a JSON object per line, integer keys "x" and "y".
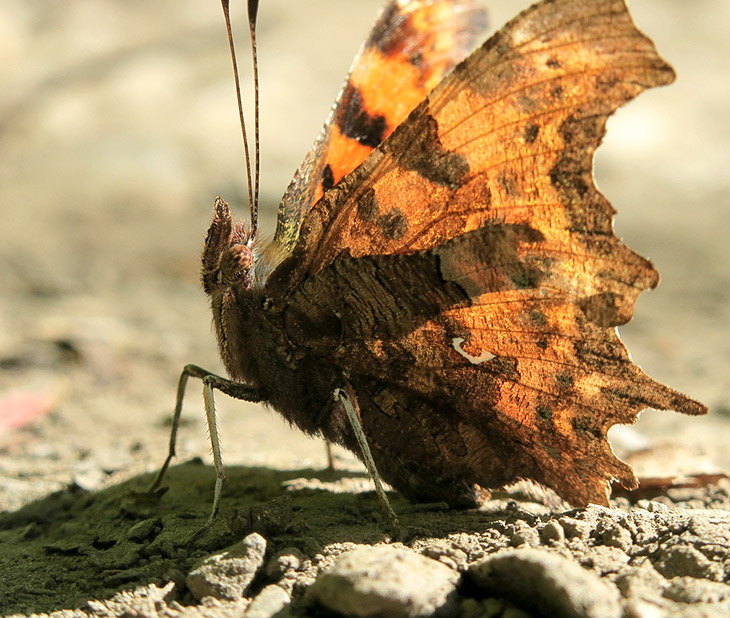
{"x": 228, "y": 278}
{"x": 228, "y": 259}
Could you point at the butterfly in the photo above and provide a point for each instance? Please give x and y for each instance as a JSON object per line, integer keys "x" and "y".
{"x": 444, "y": 256}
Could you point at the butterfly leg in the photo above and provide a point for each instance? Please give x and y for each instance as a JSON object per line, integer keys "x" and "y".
{"x": 330, "y": 455}
{"x": 211, "y": 381}
{"x": 348, "y": 399}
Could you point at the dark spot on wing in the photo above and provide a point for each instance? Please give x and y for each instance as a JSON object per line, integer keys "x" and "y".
{"x": 586, "y": 129}
{"x": 545, "y": 412}
{"x": 328, "y": 179}
{"x": 579, "y": 424}
{"x": 367, "y": 206}
{"x": 526, "y": 277}
{"x": 416, "y": 146}
{"x": 508, "y": 181}
{"x": 605, "y": 309}
{"x": 355, "y": 122}
{"x": 392, "y": 31}
{"x": 565, "y": 382}
{"x": 394, "y": 224}
{"x": 583, "y": 425}
{"x": 497, "y": 41}
{"x": 504, "y": 366}
{"x": 571, "y": 175}
{"x": 531, "y": 132}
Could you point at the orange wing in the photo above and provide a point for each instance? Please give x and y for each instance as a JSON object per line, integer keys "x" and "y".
{"x": 411, "y": 46}
{"x": 508, "y": 136}
{"x": 466, "y": 276}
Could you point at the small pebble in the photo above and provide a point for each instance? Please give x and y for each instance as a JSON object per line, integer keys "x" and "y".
{"x": 657, "y": 507}
{"x": 612, "y": 534}
{"x": 446, "y": 553}
{"x": 547, "y": 583}
{"x": 576, "y": 528}
{"x": 685, "y": 560}
{"x": 268, "y": 603}
{"x": 552, "y": 531}
{"x": 283, "y": 561}
{"x": 227, "y": 575}
{"x": 386, "y": 581}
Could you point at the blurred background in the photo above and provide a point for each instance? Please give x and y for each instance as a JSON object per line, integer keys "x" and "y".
{"x": 118, "y": 127}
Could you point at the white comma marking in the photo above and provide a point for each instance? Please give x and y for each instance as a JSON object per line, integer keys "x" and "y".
{"x": 474, "y": 360}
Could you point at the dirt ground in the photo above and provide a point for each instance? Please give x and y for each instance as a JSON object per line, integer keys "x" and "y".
{"x": 117, "y": 130}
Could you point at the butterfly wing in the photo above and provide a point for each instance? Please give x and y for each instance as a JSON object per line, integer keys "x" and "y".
{"x": 411, "y": 46}
{"x": 466, "y": 276}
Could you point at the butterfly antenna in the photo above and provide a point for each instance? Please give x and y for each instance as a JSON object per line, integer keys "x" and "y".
{"x": 253, "y": 8}
{"x": 246, "y": 150}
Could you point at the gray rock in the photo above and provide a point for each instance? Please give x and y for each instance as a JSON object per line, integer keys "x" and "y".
{"x": 576, "y": 528}
{"x": 685, "y": 560}
{"x": 611, "y": 533}
{"x": 547, "y": 583}
{"x": 641, "y": 582}
{"x": 552, "y": 531}
{"x": 520, "y": 533}
{"x": 386, "y": 581}
{"x": 603, "y": 560}
{"x": 647, "y": 594}
{"x": 283, "y": 561}
{"x": 645, "y": 527}
{"x": 657, "y": 507}
{"x": 268, "y": 603}
{"x": 227, "y": 575}
{"x": 445, "y": 552}
{"x": 693, "y": 590}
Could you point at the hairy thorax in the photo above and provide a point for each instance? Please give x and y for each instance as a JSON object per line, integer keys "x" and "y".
{"x": 252, "y": 335}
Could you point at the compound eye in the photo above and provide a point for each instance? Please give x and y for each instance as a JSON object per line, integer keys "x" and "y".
{"x": 236, "y": 265}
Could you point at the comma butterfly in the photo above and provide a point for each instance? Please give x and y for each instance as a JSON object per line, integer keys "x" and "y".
{"x": 444, "y": 256}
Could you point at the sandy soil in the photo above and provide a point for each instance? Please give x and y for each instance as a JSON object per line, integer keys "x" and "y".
{"x": 118, "y": 128}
